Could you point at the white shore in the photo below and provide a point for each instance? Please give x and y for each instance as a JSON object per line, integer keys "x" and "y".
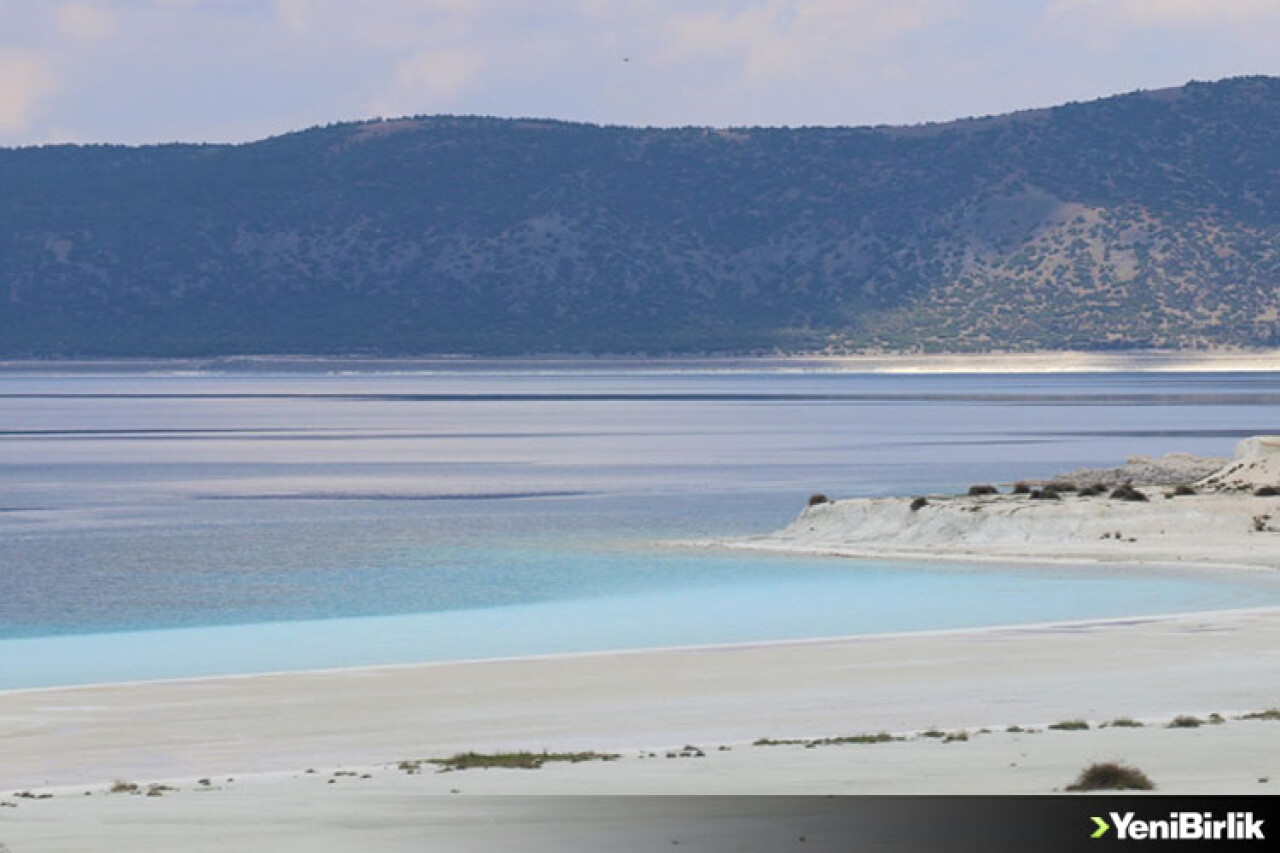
{"x": 1224, "y": 520}
{"x": 1207, "y": 531}
{"x": 266, "y": 731}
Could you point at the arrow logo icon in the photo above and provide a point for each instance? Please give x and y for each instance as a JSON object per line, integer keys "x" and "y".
{"x": 1103, "y": 826}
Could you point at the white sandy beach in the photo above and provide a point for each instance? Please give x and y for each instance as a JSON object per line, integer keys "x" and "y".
{"x": 266, "y": 731}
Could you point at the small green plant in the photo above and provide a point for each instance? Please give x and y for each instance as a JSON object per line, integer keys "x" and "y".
{"x": 1123, "y": 723}
{"x": 1111, "y": 776}
{"x": 1070, "y": 726}
{"x": 1269, "y": 714}
{"x": 879, "y": 737}
{"x": 1127, "y": 493}
{"x": 1185, "y": 721}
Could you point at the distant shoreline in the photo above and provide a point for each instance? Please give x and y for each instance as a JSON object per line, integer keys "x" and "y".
{"x": 1038, "y": 362}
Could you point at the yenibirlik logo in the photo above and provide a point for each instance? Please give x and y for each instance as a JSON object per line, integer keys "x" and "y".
{"x": 1181, "y": 826}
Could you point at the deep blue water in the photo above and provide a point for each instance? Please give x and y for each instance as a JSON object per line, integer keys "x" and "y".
{"x": 157, "y": 525}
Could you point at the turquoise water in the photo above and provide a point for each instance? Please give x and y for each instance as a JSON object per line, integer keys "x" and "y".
{"x": 775, "y": 599}
{"x": 161, "y": 525}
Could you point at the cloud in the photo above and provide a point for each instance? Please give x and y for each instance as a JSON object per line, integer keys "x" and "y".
{"x": 431, "y": 79}
{"x": 1178, "y": 14}
{"x": 25, "y": 81}
{"x": 294, "y": 15}
{"x": 774, "y": 38}
{"x": 85, "y": 22}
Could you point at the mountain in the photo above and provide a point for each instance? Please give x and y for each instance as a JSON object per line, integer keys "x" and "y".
{"x": 1145, "y": 220}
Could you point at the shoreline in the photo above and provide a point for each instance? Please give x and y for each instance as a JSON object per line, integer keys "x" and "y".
{"x": 991, "y": 363}
{"x": 644, "y": 699}
{"x": 1010, "y": 627}
{"x": 324, "y": 760}
{"x": 979, "y": 558}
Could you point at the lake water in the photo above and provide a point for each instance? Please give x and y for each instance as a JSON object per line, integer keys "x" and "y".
{"x": 161, "y": 524}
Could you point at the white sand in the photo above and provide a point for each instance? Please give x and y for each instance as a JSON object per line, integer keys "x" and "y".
{"x": 1224, "y": 524}
{"x": 266, "y": 730}
{"x": 1202, "y": 530}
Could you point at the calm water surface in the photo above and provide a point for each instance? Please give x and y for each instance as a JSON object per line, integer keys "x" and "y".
{"x": 162, "y": 524}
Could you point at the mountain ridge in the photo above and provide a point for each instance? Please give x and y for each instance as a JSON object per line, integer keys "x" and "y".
{"x": 1146, "y": 220}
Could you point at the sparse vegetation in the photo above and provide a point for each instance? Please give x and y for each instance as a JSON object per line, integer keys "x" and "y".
{"x": 1045, "y": 494}
{"x": 1111, "y": 776}
{"x": 1123, "y": 723}
{"x": 919, "y": 503}
{"x": 1183, "y": 491}
{"x": 1021, "y": 489}
{"x": 123, "y": 787}
{"x": 1269, "y": 714}
{"x": 976, "y": 491}
{"x": 816, "y": 499}
{"x": 1070, "y": 726}
{"x": 1185, "y": 721}
{"x": 520, "y": 760}
{"x": 1127, "y": 492}
{"x": 1062, "y": 486}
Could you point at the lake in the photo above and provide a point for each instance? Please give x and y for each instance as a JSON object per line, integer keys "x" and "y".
{"x": 158, "y": 523}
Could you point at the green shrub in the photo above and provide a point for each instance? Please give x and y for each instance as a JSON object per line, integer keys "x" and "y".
{"x": 1110, "y": 776}
{"x": 1127, "y": 493}
{"x": 1070, "y": 726}
{"x": 1123, "y": 723}
{"x": 1269, "y": 714}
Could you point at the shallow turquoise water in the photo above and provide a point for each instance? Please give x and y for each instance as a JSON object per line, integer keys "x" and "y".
{"x": 161, "y": 526}
{"x": 808, "y": 598}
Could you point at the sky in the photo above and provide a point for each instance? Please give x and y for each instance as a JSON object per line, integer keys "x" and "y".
{"x": 137, "y": 71}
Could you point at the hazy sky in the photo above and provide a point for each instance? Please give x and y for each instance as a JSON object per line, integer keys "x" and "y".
{"x": 233, "y": 70}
